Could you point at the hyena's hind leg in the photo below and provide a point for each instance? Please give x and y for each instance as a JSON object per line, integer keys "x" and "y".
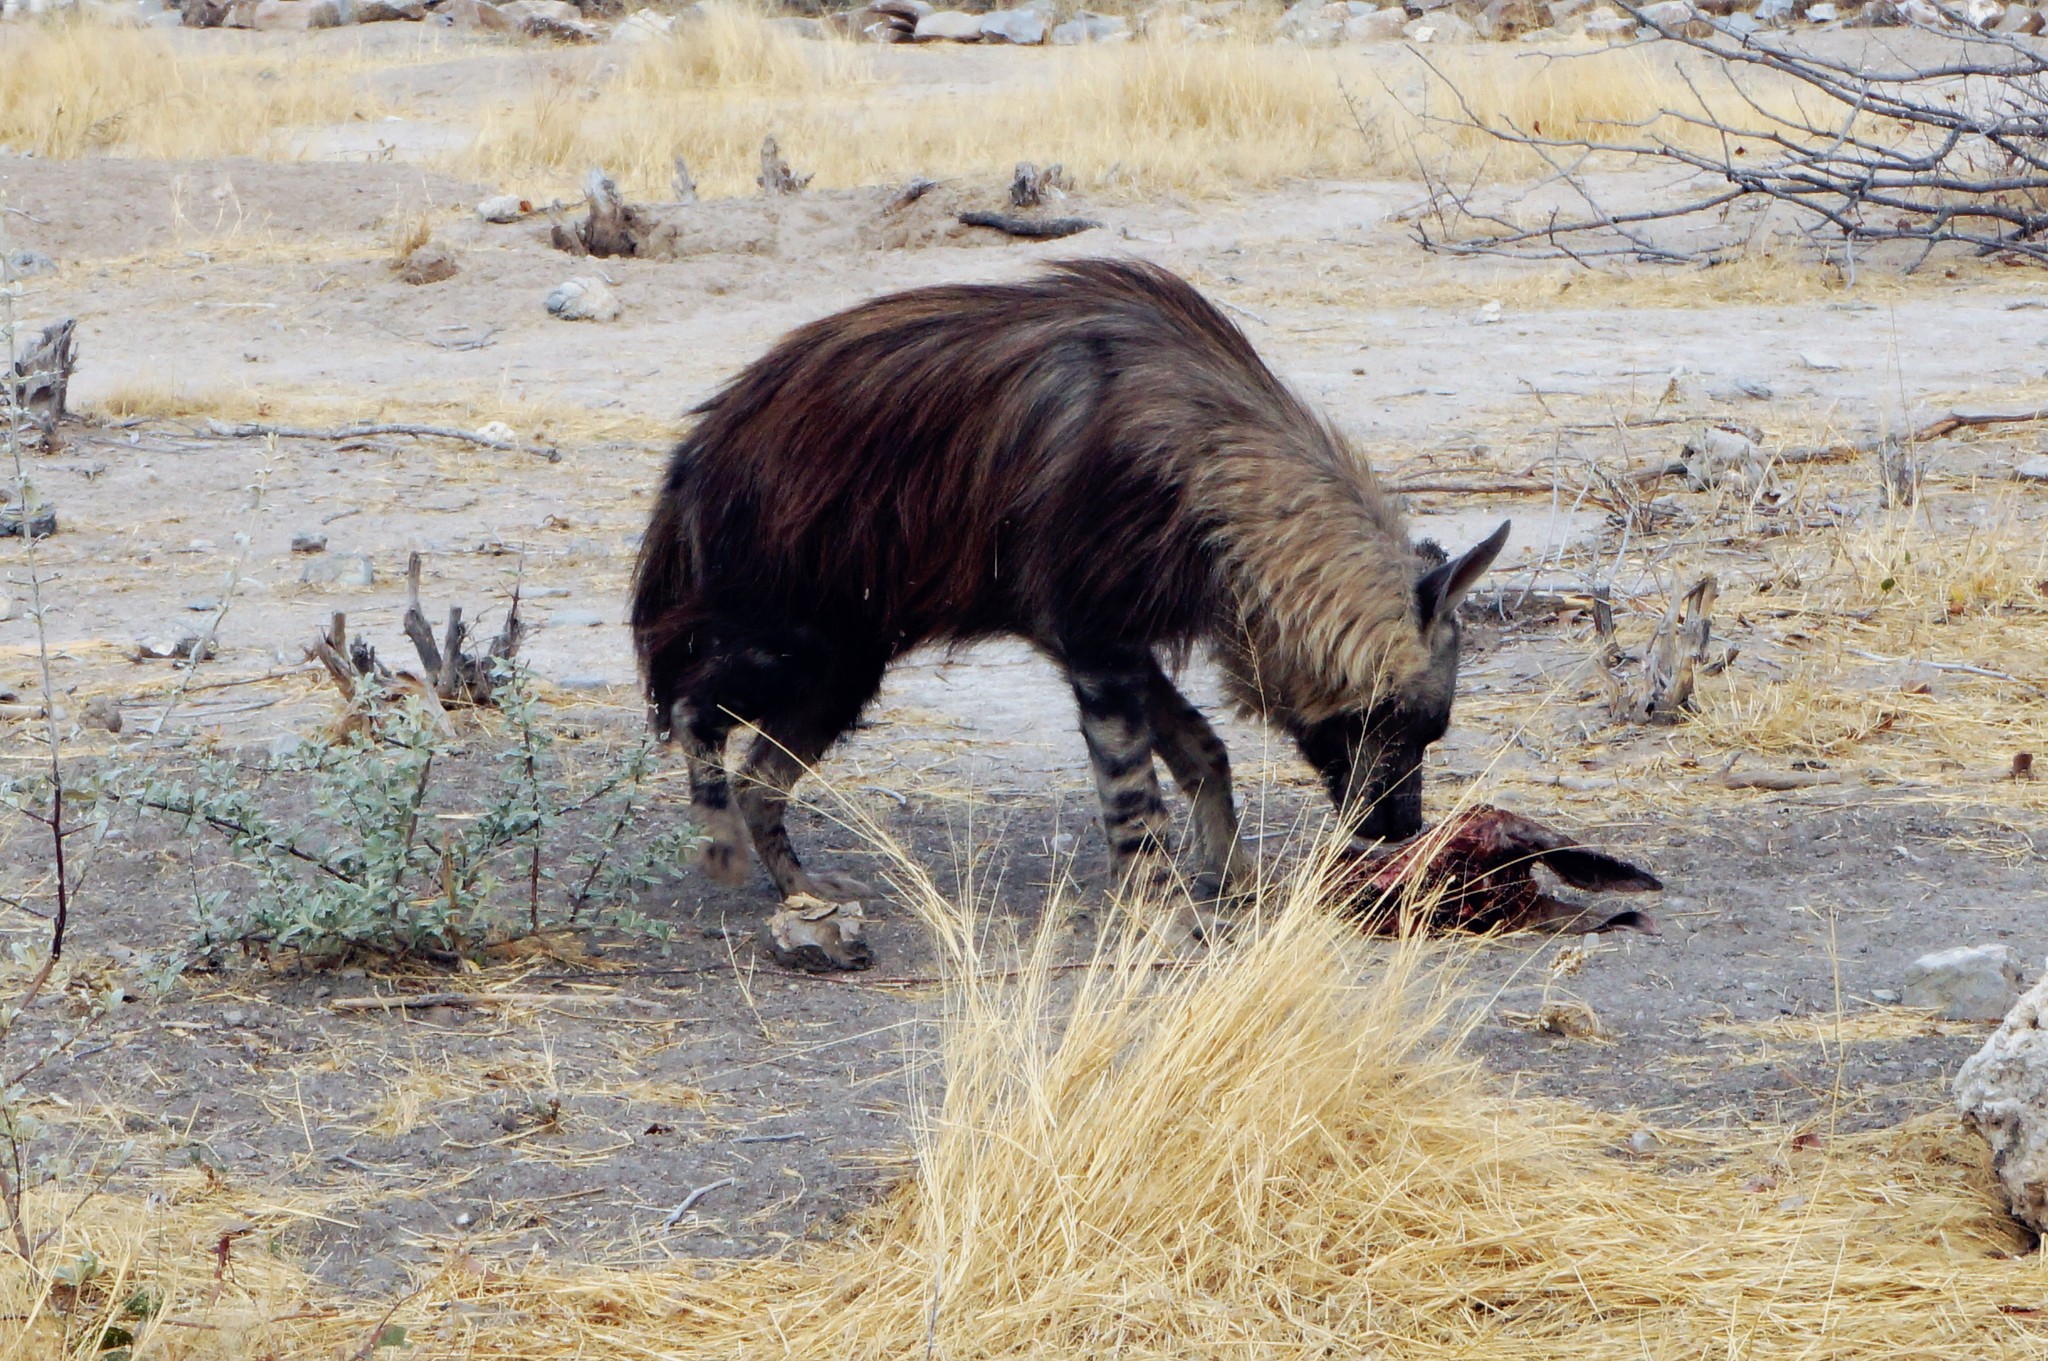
{"x": 788, "y": 745}
{"x": 1200, "y": 765}
{"x": 1114, "y": 696}
{"x": 702, "y": 732}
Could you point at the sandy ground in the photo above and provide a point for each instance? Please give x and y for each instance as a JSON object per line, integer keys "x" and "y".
{"x": 266, "y": 287}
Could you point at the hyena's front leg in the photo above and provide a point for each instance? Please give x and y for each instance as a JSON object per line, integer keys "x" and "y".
{"x": 1116, "y": 722}
{"x": 702, "y": 733}
{"x": 1201, "y": 768}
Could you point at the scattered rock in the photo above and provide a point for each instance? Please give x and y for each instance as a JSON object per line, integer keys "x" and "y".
{"x": 503, "y": 208}
{"x": 23, "y": 264}
{"x": 293, "y": 16}
{"x": 1822, "y": 14}
{"x": 1025, "y": 27}
{"x": 2002, "y": 1093}
{"x": 1603, "y": 21}
{"x": 2034, "y": 469}
{"x": 1382, "y": 25}
{"x": 1969, "y": 983}
{"x": 644, "y": 25}
{"x": 948, "y": 25}
{"x": 1668, "y": 15}
{"x": 1643, "y": 1143}
{"x": 1506, "y": 20}
{"x": 175, "y": 647}
{"x": 583, "y": 299}
{"x": 104, "y": 712}
{"x": 1444, "y": 26}
{"x": 575, "y": 619}
{"x": 1884, "y": 997}
{"x": 1091, "y": 28}
{"x": 473, "y": 16}
{"x": 497, "y": 430}
{"x": 309, "y": 541}
{"x": 343, "y": 569}
{"x": 1738, "y": 25}
{"x": 1820, "y": 362}
{"x": 430, "y": 264}
{"x": 557, "y": 19}
{"x": 1979, "y": 13}
{"x": 42, "y": 521}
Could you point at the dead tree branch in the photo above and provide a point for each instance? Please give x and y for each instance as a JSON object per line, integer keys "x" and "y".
{"x": 1948, "y": 151}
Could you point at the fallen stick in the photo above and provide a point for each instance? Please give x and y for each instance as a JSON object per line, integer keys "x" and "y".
{"x": 1969, "y": 420}
{"x": 362, "y": 429}
{"x": 690, "y": 1201}
{"x": 421, "y": 1001}
{"x": 1779, "y": 780}
{"x": 1031, "y": 228}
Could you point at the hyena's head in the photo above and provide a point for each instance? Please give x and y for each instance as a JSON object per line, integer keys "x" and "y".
{"x": 1371, "y": 759}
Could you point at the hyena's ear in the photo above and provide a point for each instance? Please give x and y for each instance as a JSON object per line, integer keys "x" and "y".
{"x": 1441, "y": 588}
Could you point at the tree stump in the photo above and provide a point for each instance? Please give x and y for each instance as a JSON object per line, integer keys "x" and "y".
{"x": 776, "y": 176}
{"x": 40, "y": 380}
{"x": 455, "y": 676}
{"x": 610, "y": 226}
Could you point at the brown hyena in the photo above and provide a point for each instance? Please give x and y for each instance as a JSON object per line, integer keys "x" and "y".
{"x": 1096, "y": 461}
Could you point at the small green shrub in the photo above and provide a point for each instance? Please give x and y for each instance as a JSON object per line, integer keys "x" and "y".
{"x": 366, "y": 844}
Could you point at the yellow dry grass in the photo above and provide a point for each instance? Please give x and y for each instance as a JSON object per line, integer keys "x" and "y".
{"x": 1279, "y": 1152}
{"x": 1153, "y": 115}
{"x": 77, "y": 89}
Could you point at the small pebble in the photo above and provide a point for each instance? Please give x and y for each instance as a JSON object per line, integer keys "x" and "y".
{"x": 307, "y": 541}
{"x": 203, "y": 605}
{"x": 1642, "y": 1143}
{"x": 1884, "y": 997}
{"x": 464, "y": 1220}
{"x": 232, "y": 1017}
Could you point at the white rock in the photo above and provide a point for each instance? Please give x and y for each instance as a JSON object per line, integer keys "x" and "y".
{"x": 1969, "y": 983}
{"x": 948, "y": 25}
{"x": 2034, "y": 469}
{"x": 1382, "y": 25}
{"x": 502, "y": 208}
{"x": 497, "y": 430}
{"x": 1667, "y": 14}
{"x": 1773, "y": 11}
{"x": 583, "y": 299}
{"x": 1820, "y": 362}
{"x": 1091, "y": 28}
{"x": 1025, "y": 27}
{"x": 2002, "y": 1092}
{"x": 644, "y": 25}
{"x": 1921, "y": 14}
{"x": 1981, "y": 13}
{"x": 1822, "y": 14}
{"x": 1440, "y": 27}
{"x": 1604, "y": 21}
{"x": 1738, "y": 25}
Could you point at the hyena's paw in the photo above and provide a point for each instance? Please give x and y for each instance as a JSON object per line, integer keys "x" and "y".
{"x": 832, "y": 887}
{"x": 817, "y": 937}
{"x": 723, "y": 862}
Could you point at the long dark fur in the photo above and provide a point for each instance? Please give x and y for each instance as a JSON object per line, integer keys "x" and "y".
{"x": 1095, "y": 460}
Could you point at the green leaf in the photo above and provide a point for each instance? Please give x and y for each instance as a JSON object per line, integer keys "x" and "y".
{"x": 393, "y": 1335}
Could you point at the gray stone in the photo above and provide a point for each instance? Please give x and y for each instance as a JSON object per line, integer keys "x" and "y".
{"x": 1738, "y": 25}
{"x": 1822, "y": 14}
{"x": 1773, "y": 11}
{"x": 21, "y": 264}
{"x": 42, "y": 521}
{"x": 948, "y": 25}
{"x": 1025, "y": 27}
{"x": 2002, "y": 1093}
{"x": 2033, "y": 469}
{"x": 575, "y": 619}
{"x": 1443, "y": 26}
{"x": 174, "y": 647}
{"x": 583, "y": 299}
{"x": 1668, "y": 14}
{"x": 343, "y": 569}
{"x": 1309, "y": 23}
{"x": 430, "y": 264}
{"x": 1884, "y": 997}
{"x": 1604, "y": 21}
{"x": 1382, "y": 25}
{"x": 503, "y": 208}
{"x": 309, "y": 541}
{"x": 1969, "y": 983}
{"x": 1091, "y": 28}
{"x": 203, "y": 605}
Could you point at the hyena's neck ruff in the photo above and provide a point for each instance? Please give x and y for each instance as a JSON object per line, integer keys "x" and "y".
{"x": 1318, "y": 573}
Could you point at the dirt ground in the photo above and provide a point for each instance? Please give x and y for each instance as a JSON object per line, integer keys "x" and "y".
{"x": 263, "y": 289}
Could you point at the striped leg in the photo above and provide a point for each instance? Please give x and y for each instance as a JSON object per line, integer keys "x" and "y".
{"x": 1200, "y": 764}
{"x": 1116, "y": 722}
{"x": 702, "y": 734}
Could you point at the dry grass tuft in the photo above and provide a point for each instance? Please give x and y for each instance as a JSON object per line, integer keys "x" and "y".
{"x": 1278, "y": 1152}
{"x": 1140, "y": 117}
{"x": 77, "y": 89}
